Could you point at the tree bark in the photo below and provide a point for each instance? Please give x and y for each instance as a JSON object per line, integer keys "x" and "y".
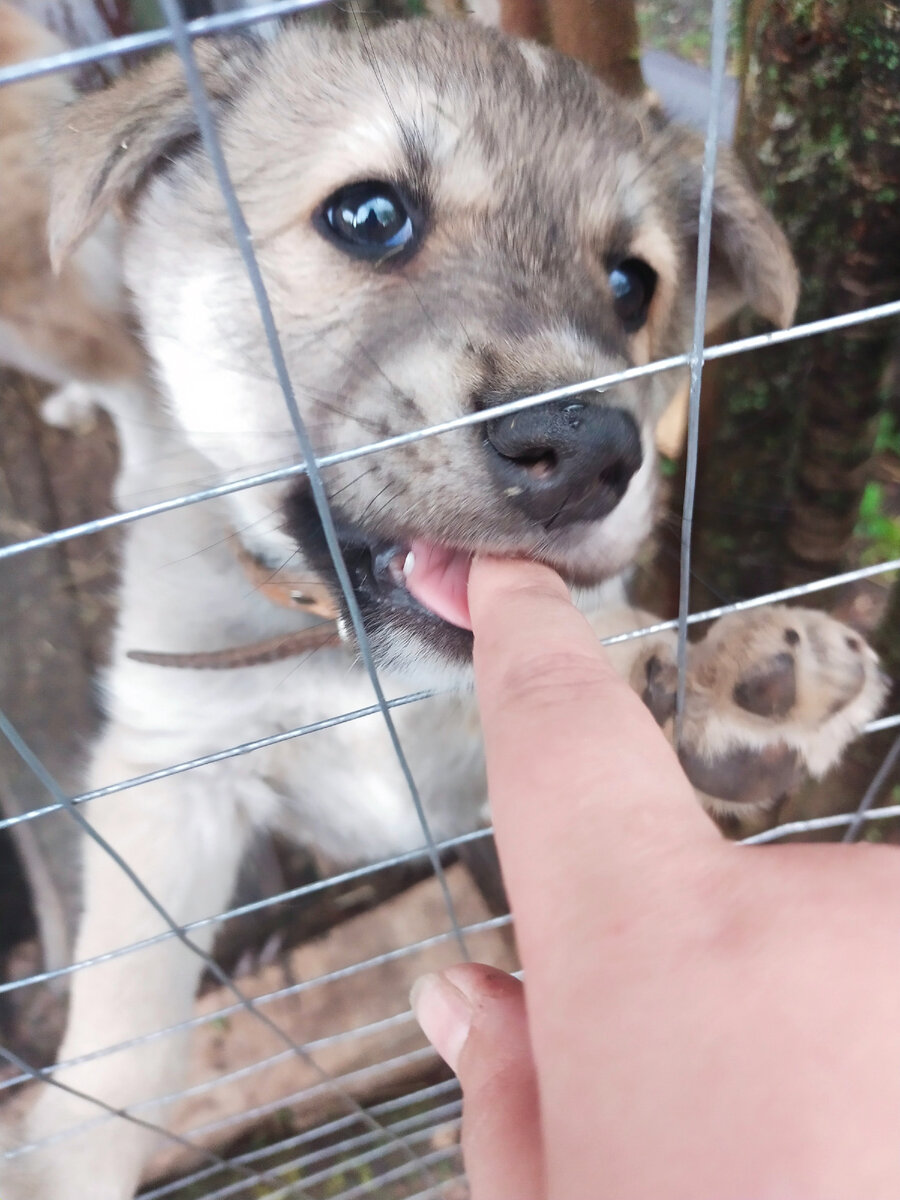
{"x": 785, "y": 465}
{"x": 887, "y": 641}
{"x": 603, "y": 34}
{"x": 843, "y": 394}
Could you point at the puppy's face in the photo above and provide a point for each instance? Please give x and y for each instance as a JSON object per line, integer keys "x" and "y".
{"x": 446, "y": 220}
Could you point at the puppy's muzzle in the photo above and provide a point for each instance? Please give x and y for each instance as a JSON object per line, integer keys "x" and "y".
{"x": 564, "y": 462}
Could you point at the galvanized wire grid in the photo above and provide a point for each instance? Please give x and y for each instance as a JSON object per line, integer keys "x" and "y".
{"x": 390, "y": 1144}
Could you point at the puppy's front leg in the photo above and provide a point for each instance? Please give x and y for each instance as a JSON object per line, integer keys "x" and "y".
{"x": 183, "y": 837}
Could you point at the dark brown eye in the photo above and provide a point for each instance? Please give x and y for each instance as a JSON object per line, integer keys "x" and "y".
{"x": 633, "y": 283}
{"x": 369, "y": 220}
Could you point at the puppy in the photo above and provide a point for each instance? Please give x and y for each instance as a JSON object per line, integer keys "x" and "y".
{"x": 446, "y": 220}
{"x": 64, "y": 327}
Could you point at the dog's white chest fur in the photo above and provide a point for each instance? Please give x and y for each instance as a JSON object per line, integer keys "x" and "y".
{"x": 340, "y": 788}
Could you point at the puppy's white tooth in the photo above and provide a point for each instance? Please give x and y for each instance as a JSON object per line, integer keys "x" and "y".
{"x": 408, "y": 564}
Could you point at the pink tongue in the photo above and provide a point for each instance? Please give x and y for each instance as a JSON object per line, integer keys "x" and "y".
{"x": 439, "y": 580}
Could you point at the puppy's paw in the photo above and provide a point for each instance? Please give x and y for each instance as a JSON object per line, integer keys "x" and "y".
{"x": 773, "y": 697}
{"x": 72, "y": 406}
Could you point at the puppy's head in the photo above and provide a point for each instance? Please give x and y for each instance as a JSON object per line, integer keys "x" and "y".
{"x": 446, "y": 220}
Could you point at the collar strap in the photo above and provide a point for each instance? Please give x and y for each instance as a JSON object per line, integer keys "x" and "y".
{"x": 278, "y": 587}
{"x": 274, "y": 649}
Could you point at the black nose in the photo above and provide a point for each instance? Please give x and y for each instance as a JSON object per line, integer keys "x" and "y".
{"x": 566, "y": 461}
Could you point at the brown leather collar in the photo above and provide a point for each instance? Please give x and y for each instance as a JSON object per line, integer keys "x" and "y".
{"x": 281, "y": 588}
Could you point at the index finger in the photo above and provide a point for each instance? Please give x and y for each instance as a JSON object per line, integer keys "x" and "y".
{"x": 584, "y": 788}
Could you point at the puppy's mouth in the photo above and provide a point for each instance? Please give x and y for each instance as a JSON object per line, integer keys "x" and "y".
{"x": 412, "y": 590}
{"x": 420, "y": 578}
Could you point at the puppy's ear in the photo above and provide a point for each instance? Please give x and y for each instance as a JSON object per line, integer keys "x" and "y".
{"x": 750, "y": 260}
{"x": 105, "y": 147}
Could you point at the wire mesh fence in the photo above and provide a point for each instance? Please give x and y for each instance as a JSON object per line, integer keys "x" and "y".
{"x": 363, "y": 1108}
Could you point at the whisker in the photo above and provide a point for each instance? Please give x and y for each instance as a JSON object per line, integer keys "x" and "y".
{"x": 333, "y": 495}
{"x": 197, "y": 482}
{"x": 365, "y": 513}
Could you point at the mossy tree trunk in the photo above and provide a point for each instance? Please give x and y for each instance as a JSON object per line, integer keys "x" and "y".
{"x": 887, "y": 639}
{"x": 843, "y": 393}
{"x": 819, "y": 130}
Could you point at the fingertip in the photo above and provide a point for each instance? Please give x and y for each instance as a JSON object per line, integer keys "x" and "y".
{"x": 474, "y": 1016}
{"x": 481, "y": 983}
{"x": 490, "y": 579}
{"x": 444, "y": 1003}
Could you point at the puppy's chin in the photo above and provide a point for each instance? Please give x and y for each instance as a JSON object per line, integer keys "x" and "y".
{"x": 423, "y": 654}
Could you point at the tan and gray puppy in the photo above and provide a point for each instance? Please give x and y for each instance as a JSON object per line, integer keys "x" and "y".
{"x": 64, "y": 327}
{"x": 446, "y": 219}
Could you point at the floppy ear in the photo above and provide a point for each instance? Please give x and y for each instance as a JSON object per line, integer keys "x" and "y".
{"x": 750, "y": 260}
{"x": 105, "y": 147}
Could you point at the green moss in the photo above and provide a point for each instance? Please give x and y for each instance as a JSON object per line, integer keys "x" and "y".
{"x": 887, "y": 438}
{"x": 878, "y": 530}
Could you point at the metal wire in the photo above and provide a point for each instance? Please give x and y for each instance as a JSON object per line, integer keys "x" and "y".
{"x": 789, "y": 593}
{"x": 206, "y": 760}
{"x": 366, "y": 1189}
{"x": 709, "y": 614}
{"x": 342, "y": 719}
{"x": 273, "y": 1060}
{"x": 303, "y": 890}
{"x": 46, "y": 779}
{"x": 450, "y": 1108}
{"x": 318, "y": 1132}
{"x": 872, "y": 791}
{"x": 290, "y": 990}
{"x": 815, "y": 824}
{"x": 353, "y": 1163}
{"x": 760, "y": 341}
{"x": 436, "y": 1193}
{"x": 30, "y": 1072}
{"x": 306, "y": 889}
{"x": 241, "y": 231}
{"x": 704, "y": 238}
{"x": 883, "y": 723}
{"x": 135, "y": 43}
{"x": 249, "y": 1115}
{"x": 360, "y": 1074}
{"x": 402, "y": 1134}
{"x": 247, "y": 1164}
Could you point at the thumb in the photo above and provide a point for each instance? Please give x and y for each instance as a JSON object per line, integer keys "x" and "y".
{"x": 474, "y": 1016}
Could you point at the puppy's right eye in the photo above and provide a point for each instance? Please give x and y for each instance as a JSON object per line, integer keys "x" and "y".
{"x": 369, "y": 220}
{"x": 633, "y": 283}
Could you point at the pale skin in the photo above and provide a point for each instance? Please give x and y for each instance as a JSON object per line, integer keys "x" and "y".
{"x": 705, "y": 1021}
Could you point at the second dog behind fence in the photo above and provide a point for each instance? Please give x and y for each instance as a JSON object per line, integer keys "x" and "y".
{"x": 447, "y": 221}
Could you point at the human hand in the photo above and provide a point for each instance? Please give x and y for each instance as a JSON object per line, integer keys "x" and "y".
{"x": 704, "y": 1021}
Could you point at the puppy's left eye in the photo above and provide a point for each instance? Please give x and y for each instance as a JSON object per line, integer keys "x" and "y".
{"x": 369, "y": 220}
{"x": 633, "y": 283}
